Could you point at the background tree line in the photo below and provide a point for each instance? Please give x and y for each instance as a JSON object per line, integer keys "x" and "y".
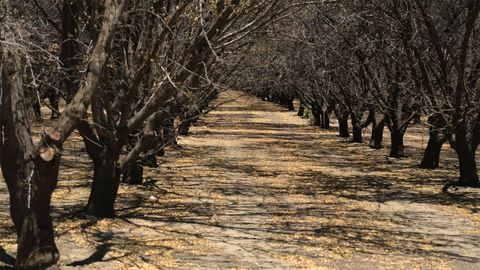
{"x": 393, "y": 61}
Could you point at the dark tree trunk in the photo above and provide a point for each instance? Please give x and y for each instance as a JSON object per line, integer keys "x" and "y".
{"x": 325, "y": 119}
{"x": 184, "y": 127}
{"x": 133, "y": 175}
{"x": 54, "y": 99}
{"x": 169, "y": 132}
{"x": 37, "y": 109}
{"x": 438, "y": 135}
{"x": 30, "y": 172}
{"x": 397, "y": 148}
{"x": 342, "y": 116}
{"x": 187, "y": 122}
{"x": 290, "y": 104}
{"x": 356, "y": 128}
{"x": 343, "y": 127}
{"x": 317, "y": 119}
{"x": 301, "y": 110}
{"x": 431, "y": 156}
{"x": 466, "y": 148}
{"x": 106, "y": 179}
{"x": 378, "y": 126}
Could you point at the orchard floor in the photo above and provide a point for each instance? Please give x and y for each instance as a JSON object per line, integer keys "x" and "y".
{"x": 256, "y": 187}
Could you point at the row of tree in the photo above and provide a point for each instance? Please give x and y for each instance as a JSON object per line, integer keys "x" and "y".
{"x": 394, "y": 61}
{"x": 133, "y": 75}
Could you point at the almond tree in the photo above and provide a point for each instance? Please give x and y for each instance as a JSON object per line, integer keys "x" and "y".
{"x": 448, "y": 75}
{"x": 29, "y": 169}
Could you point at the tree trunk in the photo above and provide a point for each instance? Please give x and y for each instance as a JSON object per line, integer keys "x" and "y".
{"x": 104, "y": 191}
{"x": 169, "y": 133}
{"x": 342, "y": 116}
{"x": 184, "y": 127}
{"x": 377, "y": 131}
{"x": 187, "y": 121}
{"x": 356, "y": 128}
{"x": 133, "y": 175}
{"x": 431, "y": 156}
{"x": 397, "y": 148}
{"x": 106, "y": 179}
{"x": 343, "y": 127}
{"x": 325, "y": 119}
{"x": 317, "y": 120}
{"x": 466, "y": 149}
{"x": 30, "y": 172}
{"x": 301, "y": 110}
{"x": 290, "y": 105}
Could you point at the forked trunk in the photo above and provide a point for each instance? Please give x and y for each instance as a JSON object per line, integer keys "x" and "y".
{"x": 30, "y": 172}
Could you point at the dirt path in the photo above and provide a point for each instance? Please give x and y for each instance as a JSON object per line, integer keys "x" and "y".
{"x": 255, "y": 187}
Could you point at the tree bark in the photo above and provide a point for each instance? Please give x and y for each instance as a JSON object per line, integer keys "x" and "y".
{"x": 187, "y": 121}
{"x": 325, "y": 119}
{"x": 378, "y": 121}
{"x": 342, "y": 116}
{"x": 466, "y": 148}
{"x": 301, "y": 110}
{"x": 133, "y": 175}
{"x": 431, "y": 156}
{"x": 290, "y": 105}
{"x": 317, "y": 119}
{"x": 106, "y": 179}
{"x": 30, "y": 172}
{"x": 397, "y": 148}
{"x": 343, "y": 127}
{"x": 184, "y": 127}
{"x": 356, "y": 128}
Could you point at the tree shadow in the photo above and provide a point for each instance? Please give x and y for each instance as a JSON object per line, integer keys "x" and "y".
{"x": 6, "y": 259}
{"x": 97, "y": 256}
